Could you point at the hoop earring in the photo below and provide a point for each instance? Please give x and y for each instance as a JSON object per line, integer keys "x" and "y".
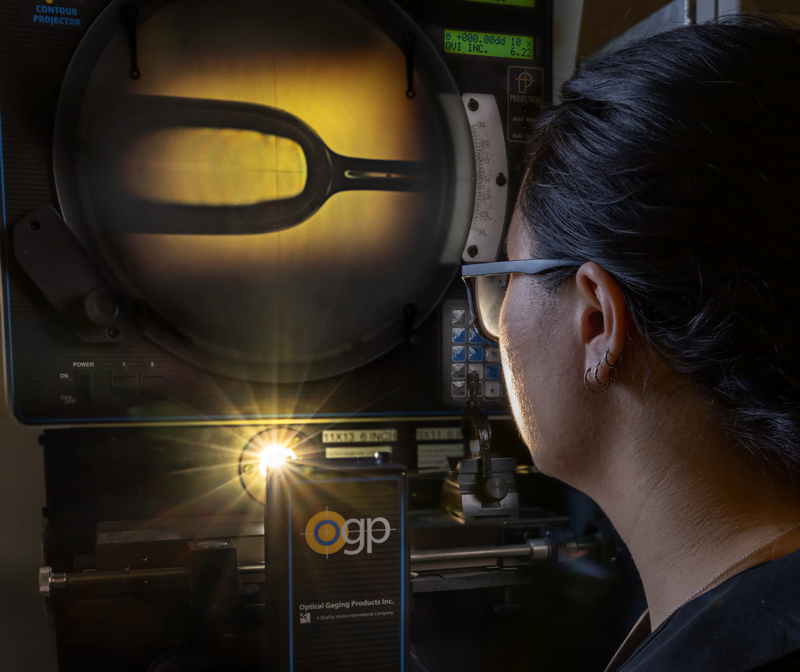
{"x": 612, "y": 376}
{"x": 608, "y": 364}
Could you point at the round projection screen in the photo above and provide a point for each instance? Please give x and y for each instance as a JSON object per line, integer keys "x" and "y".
{"x": 266, "y": 186}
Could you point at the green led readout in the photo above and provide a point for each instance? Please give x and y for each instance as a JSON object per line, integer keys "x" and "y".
{"x": 488, "y": 44}
{"x": 510, "y": 3}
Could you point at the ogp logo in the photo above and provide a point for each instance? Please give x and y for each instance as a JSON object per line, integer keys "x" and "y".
{"x": 327, "y": 532}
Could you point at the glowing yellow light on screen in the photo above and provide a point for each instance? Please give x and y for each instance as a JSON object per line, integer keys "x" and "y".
{"x": 348, "y": 85}
{"x": 273, "y": 457}
{"x": 213, "y": 166}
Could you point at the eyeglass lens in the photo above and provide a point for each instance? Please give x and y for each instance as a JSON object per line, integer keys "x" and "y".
{"x": 490, "y": 291}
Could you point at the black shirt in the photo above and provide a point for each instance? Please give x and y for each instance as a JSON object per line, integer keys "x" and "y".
{"x": 749, "y": 622}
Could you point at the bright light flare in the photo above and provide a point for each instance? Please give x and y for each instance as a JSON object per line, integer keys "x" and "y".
{"x": 274, "y": 456}
{"x": 265, "y": 455}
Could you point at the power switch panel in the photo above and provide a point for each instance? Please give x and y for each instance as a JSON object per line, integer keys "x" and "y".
{"x": 84, "y": 387}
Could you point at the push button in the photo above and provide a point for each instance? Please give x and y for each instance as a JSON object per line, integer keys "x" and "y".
{"x": 492, "y": 355}
{"x": 153, "y": 387}
{"x": 459, "y": 335}
{"x": 459, "y": 318}
{"x": 459, "y": 353}
{"x": 459, "y": 371}
{"x": 493, "y": 390}
{"x": 492, "y": 372}
{"x": 475, "y": 353}
{"x": 125, "y": 387}
{"x": 84, "y": 387}
{"x": 477, "y": 368}
{"x": 475, "y": 337}
{"x": 459, "y": 388}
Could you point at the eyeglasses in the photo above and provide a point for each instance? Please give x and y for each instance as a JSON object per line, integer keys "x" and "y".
{"x": 487, "y": 285}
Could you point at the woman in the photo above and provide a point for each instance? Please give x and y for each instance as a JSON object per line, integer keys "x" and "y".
{"x": 654, "y": 361}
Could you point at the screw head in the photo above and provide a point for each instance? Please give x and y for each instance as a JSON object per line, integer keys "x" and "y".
{"x": 472, "y": 250}
{"x": 500, "y": 180}
{"x": 35, "y": 225}
{"x": 473, "y": 104}
{"x": 113, "y": 332}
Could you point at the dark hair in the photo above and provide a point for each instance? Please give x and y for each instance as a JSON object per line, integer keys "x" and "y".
{"x": 674, "y": 163}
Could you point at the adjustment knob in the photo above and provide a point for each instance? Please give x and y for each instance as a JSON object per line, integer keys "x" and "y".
{"x": 102, "y": 307}
{"x": 496, "y": 488}
{"x": 45, "y": 579}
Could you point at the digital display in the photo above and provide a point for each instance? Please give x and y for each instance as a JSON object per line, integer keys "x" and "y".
{"x": 488, "y": 44}
{"x": 509, "y": 3}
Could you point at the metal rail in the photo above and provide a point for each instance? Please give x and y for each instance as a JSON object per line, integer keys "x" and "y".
{"x": 533, "y": 549}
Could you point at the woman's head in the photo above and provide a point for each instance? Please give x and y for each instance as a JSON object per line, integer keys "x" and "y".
{"x": 674, "y": 165}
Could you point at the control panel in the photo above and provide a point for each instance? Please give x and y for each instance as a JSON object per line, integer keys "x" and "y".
{"x": 464, "y": 350}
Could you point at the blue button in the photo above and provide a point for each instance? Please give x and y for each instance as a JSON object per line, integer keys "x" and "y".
{"x": 459, "y": 353}
{"x": 459, "y": 335}
{"x": 492, "y": 372}
{"x": 475, "y": 353}
{"x": 475, "y": 337}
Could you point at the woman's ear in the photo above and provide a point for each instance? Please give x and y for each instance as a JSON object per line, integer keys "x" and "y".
{"x": 601, "y": 319}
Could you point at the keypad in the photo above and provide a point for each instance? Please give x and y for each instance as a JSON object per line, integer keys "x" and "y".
{"x": 466, "y": 351}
